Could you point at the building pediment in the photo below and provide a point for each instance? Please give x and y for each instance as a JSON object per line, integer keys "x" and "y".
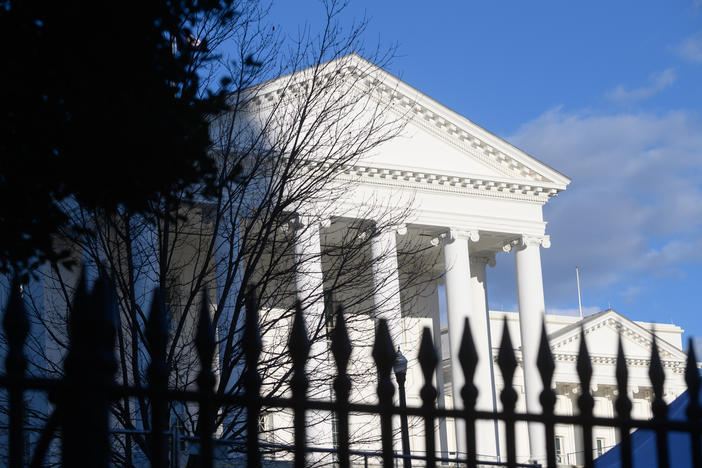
{"x": 602, "y": 331}
{"x": 438, "y": 149}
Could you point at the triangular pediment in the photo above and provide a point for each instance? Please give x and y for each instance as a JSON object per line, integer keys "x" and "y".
{"x": 438, "y": 146}
{"x": 602, "y": 331}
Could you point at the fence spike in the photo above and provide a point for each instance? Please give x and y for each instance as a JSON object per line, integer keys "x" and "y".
{"x": 299, "y": 343}
{"x": 383, "y": 350}
{"x": 157, "y": 339}
{"x": 623, "y": 404}
{"x": 546, "y": 366}
{"x": 252, "y": 380}
{"x": 340, "y": 343}
{"x": 341, "y": 349}
{"x": 658, "y": 406}
{"x": 584, "y": 364}
{"x": 252, "y": 334}
{"x": 427, "y": 357}
{"x": 299, "y": 346}
{"x": 544, "y": 361}
{"x": 692, "y": 374}
{"x": 384, "y": 356}
{"x": 507, "y": 362}
{"x": 428, "y": 360}
{"x": 205, "y": 346}
{"x": 204, "y": 338}
{"x": 15, "y": 324}
{"x": 692, "y": 379}
{"x": 657, "y": 377}
{"x": 16, "y": 327}
{"x": 468, "y": 358}
{"x": 586, "y": 402}
{"x": 90, "y": 366}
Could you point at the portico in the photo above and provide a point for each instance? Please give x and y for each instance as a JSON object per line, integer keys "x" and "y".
{"x": 468, "y": 194}
{"x": 465, "y": 256}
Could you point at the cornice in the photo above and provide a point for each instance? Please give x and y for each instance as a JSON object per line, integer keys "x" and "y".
{"x": 676, "y": 366}
{"x": 481, "y": 186}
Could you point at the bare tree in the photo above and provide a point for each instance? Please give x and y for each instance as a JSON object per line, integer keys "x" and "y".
{"x": 284, "y": 152}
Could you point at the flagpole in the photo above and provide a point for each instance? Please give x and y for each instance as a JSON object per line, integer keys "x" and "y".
{"x": 580, "y": 304}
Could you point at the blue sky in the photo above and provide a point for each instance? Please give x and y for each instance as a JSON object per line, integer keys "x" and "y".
{"x": 606, "y": 92}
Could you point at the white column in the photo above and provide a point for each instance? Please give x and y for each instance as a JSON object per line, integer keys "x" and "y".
{"x": 530, "y": 292}
{"x": 386, "y": 298}
{"x": 310, "y": 292}
{"x": 459, "y": 303}
{"x": 386, "y": 281}
{"x": 486, "y": 431}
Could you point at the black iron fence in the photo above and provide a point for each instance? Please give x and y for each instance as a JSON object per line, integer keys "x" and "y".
{"x": 83, "y": 396}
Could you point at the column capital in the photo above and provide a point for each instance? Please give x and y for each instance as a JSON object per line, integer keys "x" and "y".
{"x": 299, "y": 222}
{"x": 525, "y": 241}
{"x": 453, "y": 233}
{"x": 399, "y": 229}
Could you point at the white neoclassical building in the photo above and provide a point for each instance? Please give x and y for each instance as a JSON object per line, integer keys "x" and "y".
{"x": 471, "y": 196}
{"x": 464, "y": 195}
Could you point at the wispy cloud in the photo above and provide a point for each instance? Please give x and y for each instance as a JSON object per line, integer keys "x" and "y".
{"x": 634, "y": 209}
{"x": 657, "y": 82}
{"x": 631, "y": 292}
{"x": 691, "y": 48}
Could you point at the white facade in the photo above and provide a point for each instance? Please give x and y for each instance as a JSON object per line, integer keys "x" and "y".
{"x": 471, "y": 195}
{"x": 601, "y": 333}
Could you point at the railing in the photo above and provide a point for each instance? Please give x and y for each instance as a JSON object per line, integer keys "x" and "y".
{"x": 83, "y": 396}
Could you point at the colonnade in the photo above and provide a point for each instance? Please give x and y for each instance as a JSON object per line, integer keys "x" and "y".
{"x": 466, "y": 297}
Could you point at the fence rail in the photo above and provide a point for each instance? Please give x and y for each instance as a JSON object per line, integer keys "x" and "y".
{"x": 83, "y": 396}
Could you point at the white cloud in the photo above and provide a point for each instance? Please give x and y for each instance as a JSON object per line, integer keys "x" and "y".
{"x": 573, "y": 312}
{"x": 657, "y": 83}
{"x": 690, "y": 49}
{"x": 631, "y": 292}
{"x": 634, "y": 208}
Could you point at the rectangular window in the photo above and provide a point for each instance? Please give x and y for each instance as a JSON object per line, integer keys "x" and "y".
{"x": 599, "y": 446}
{"x": 559, "y": 449}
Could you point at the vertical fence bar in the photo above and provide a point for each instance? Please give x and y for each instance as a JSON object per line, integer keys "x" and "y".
{"x": 658, "y": 406}
{"x": 157, "y": 373}
{"x": 507, "y": 362}
{"x": 623, "y": 406}
{"x": 546, "y": 366}
{"x": 16, "y": 328}
{"x": 299, "y": 346}
{"x": 90, "y": 366}
{"x": 205, "y": 345}
{"x": 252, "y": 380}
{"x": 341, "y": 349}
{"x": 692, "y": 378}
{"x": 468, "y": 358}
{"x": 384, "y": 356}
{"x": 428, "y": 360}
{"x": 70, "y": 398}
{"x": 586, "y": 402}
